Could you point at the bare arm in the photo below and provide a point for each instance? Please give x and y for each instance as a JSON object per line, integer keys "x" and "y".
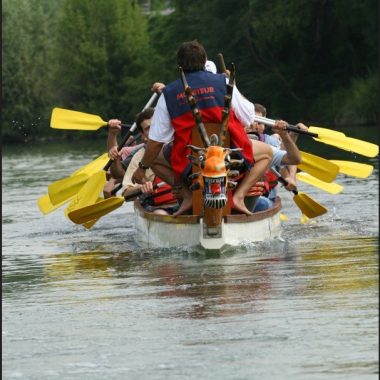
{"x": 152, "y": 150}
{"x": 114, "y": 128}
{"x": 117, "y": 169}
{"x": 289, "y": 173}
{"x": 294, "y": 135}
{"x": 292, "y": 156}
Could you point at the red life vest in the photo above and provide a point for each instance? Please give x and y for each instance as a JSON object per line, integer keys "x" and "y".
{"x": 209, "y": 91}
{"x": 270, "y": 180}
{"x": 162, "y": 195}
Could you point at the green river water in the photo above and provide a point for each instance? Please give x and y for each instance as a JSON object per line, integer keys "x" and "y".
{"x": 90, "y": 304}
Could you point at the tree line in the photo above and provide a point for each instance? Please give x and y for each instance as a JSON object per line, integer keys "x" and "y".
{"x": 310, "y": 61}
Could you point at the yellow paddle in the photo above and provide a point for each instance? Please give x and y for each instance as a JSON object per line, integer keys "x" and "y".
{"x": 350, "y": 144}
{"x": 91, "y": 189}
{"x": 318, "y": 167}
{"x": 283, "y": 217}
{"x": 66, "y": 119}
{"x": 93, "y": 166}
{"x": 306, "y": 204}
{"x": 332, "y": 187}
{"x": 45, "y": 205}
{"x": 95, "y": 211}
{"x": 330, "y": 137}
{"x": 353, "y": 169}
{"x": 65, "y": 188}
{"x": 90, "y": 223}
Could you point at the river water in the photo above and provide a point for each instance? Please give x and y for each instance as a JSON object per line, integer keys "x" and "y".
{"x": 90, "y": 304}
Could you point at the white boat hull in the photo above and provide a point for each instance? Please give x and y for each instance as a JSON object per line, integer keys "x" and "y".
{"x": 164, "y": 231}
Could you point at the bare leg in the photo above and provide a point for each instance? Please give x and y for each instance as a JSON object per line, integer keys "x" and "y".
{"x": 162, "y": 169}
{"x": 187, "y": 201}
{"x": 160, "y": 211}
{"x": 262, "y": 154}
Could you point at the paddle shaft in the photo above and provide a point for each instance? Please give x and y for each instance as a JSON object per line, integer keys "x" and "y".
{"x": 307, "y": 205}
{"x": 221, "y": 61}
{"x": 138, "y": 192}
{"x": 227, "y": 107}
{"x": 131, "y": 130}
{"x": 282, "y": 180}
{"x": 290, "y": 127}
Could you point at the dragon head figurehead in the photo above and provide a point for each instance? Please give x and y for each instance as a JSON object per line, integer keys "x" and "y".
{"x": 214, "y": 176}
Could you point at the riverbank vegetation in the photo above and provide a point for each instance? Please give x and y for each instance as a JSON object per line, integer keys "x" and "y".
{"x": 315, "y": 61}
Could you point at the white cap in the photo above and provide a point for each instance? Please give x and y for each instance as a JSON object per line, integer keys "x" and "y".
{"x": 211, "y": 67}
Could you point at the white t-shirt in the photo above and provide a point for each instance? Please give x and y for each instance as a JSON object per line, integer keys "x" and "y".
{"x": 133, "y": 165}
{"x": 161, "y": 129}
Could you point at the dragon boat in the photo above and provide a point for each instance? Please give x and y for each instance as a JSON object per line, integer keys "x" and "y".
{"x": 166, "y": 231}
{"x": 212, "y": 223}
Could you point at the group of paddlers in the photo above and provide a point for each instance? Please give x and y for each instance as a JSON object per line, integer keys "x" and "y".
{"x": 166, "y": 132}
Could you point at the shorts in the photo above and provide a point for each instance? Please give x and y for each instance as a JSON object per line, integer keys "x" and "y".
{"x": 170, "y": 210}
{"x": 167, "y": 151}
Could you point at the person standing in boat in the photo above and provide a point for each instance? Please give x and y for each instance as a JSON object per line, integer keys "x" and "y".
{"x": 173, "y": 122}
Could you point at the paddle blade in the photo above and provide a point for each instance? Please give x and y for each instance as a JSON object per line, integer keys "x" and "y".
{"x": 330, "y": 137}
{"x": 66, "y": 119}
{"x": 364, "y": 148}
{"x": 318, "y": 167}
{"x": 60, "y": 191}
{"x": 354, "y": 169}
{"x": 332, "y": 188}
{"x": 45, "y": 205}
{"x": 309, "y": 206}
{"x": 324, "y": 133}
{"x": 89, "y": 192}
{"x": 340, "y": 140}
{"x": 91, "y": 223}
{"x": 93, "y": 166}
{"x": 95, "y": 211}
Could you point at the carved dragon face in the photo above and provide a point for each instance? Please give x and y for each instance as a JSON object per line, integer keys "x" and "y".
{"x": 213, "y": 178}
{"x": 214, "y": 175}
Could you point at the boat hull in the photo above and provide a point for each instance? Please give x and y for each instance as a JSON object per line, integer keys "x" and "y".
{"x": 165, "y": 231}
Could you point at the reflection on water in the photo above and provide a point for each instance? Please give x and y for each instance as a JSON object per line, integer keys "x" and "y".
{"x": 89, "y": 304}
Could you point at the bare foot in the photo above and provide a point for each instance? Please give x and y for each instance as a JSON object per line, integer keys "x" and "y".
{"x": 185, "y": 206}
{"x": 239, "y": 205}
{"x": 187, "y": 202}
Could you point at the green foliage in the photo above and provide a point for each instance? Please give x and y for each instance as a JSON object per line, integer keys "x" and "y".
{"x": 304, "y": 60}
{"x": 26, "y": 54}
{"x": 361, "y": 101}
{"x": 105, "y": 47}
